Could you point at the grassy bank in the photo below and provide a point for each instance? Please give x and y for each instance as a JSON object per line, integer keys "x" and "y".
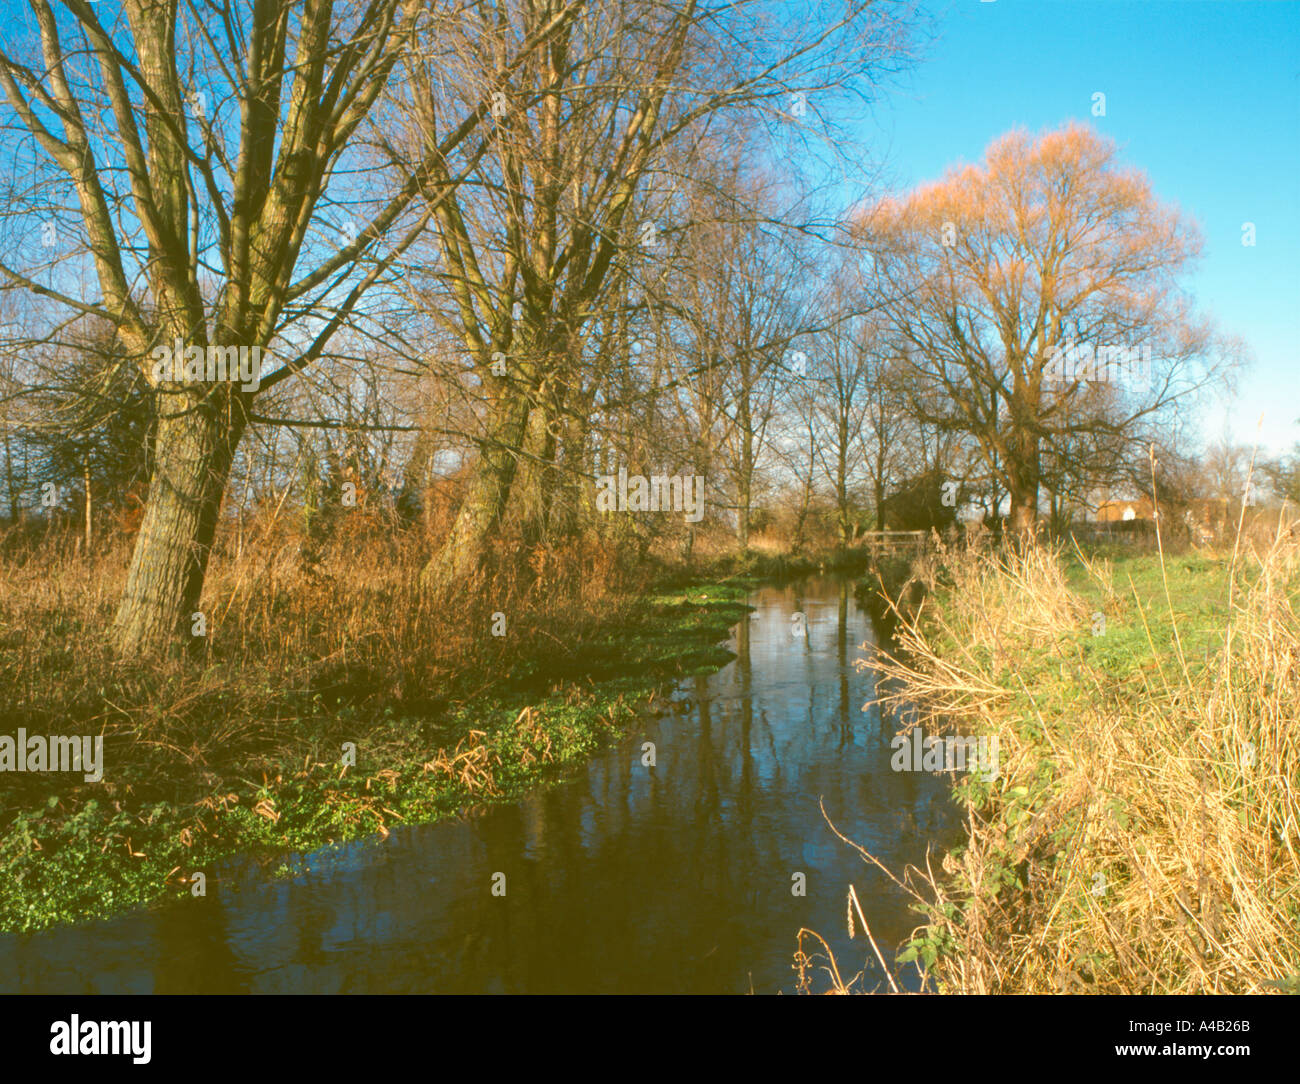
{"x": 1142, "y": 833}
{"x": 244, "y": 752}
{"x": 769, "y": 565}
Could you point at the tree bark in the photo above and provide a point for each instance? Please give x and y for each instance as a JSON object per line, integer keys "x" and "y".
{"x": 842, "y": 480}
{"x": 193, "y": 453}
{"x": 746, "y": 479}
{"x": 412, "y": 502}
{"x": 574, "y": 495}
{"x": 535, "y": 479}
{"x": 85, "y": 476}
{"x": 1022, "y": 478}
{"x": 461, "y": 556}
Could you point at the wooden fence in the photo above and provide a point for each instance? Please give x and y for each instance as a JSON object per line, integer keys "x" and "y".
{"x": 892, "y": 543}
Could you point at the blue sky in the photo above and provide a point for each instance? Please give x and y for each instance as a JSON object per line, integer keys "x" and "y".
{"x": 1202, "y": 95}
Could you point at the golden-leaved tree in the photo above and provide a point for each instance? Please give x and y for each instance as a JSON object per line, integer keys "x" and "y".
{"x": 1050, "y": 248}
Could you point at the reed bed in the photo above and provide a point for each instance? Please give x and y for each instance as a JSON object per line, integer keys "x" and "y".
{"x": 1142, "y": 833}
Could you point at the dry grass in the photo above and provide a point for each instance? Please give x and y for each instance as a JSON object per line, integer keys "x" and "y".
{"x": 317, "y": 650}
{"x": 292, "y": 633}
{"x": 1142, "y": 834}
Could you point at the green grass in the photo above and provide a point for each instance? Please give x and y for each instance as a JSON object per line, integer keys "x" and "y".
{"x": 1191, "y": 596}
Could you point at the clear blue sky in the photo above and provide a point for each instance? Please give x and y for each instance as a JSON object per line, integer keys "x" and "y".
{"x": 1202, "y": 95}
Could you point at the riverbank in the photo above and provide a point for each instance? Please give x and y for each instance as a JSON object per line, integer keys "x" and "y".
{"x": 1141, "y": 833}
{"x": 664, "y": 862}
{"x": 363, "y": 714}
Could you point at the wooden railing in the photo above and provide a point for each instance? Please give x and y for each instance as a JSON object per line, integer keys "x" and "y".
{"x": 889, "y": 543}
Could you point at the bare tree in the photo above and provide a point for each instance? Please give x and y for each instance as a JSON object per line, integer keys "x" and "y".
{"x": 1037, "y": 296}
{"x": 204, "y": 149}
{"x": 571, "y": 195}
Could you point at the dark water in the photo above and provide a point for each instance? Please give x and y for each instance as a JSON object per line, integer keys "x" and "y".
{"x": 626, "y": 878}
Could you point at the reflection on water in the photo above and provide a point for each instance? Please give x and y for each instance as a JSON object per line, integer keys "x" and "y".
{"x": 625, "y": 878}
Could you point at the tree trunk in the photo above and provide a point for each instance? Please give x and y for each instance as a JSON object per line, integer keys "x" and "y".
{"x": 85, "y": 477}
{"x": 1023, "y": 515}
{"x": 746, "y": 480}
{"x": 411, "y": 500}
{"x": 9, "y": 478}
{"x": 742, "y": 532}
{"x": 485, "y": 501}
{"x": 574, "y": 495}
{"x": 842, "y": 480}
{"x": 1022, "y": 482}
{"x": 538, "y": 476}
{"x": 194, "y": 450}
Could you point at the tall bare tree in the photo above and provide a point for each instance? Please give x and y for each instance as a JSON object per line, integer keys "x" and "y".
{"x": 570, "y": 196}
{"x": 203, "y": 149}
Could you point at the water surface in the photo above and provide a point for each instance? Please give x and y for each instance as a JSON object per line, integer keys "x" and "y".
{"x": 623, "y": 878}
